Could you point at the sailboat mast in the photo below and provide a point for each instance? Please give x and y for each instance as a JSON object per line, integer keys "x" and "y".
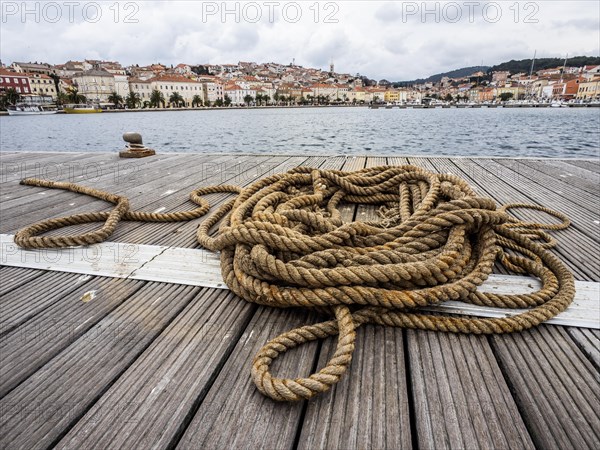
{"x": 564, "y": 67}
{"x": 532, "y": 63}
{"x": 531, "y": 73}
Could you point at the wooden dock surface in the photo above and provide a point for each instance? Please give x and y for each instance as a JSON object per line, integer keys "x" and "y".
{"x": 143, "y": 364}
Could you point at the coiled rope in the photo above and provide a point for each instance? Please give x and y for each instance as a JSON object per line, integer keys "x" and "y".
{"x": 283, "y": 244}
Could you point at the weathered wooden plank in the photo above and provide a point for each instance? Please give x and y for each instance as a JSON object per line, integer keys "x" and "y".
{"x": 580, "y": 198}
{"x": 460, "y": 397}
{"x": 234, "y": 414}
{"x": 588, "y": 342}
{"x": 368, "y": 408}
{"x": 24, "y": 302}
{"x": 588, "y": 164}
{"x": 90, "y": 167}
{"x": 184, "y": 233}
{"x": 59, "y": 203}
{"x": 582, "y": 220}
{"x": 13, "y": 277}
{"x": 557, "y": 170}
{"x": 554, "y": 384}
{"x": 151, "y": 402}
{"x": 41, "y": 409}
{"x": 100, "y": 172}
{"x": 31, "y": 345}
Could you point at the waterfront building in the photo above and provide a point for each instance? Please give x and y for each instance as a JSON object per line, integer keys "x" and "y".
{"x": 168, "y": 84}
{"x": 41, "y": 68}
{"x": 68, "y": 69}
{"x": 326, "y": 90}
{"x": 377, "y": 94}
{"x": 141, "y": 87}
{"x": 17, "y": 81}
{"x": 474, "y": 94}
{"x": 212, "y": 87}
{"x": 536, "y": 88}
{"x": 42, "y": 85}
{"x": 549, "y": 72}
{"x": 95, "y": 84}
{"x": 183, "y": 69}
{"x": 589, "y": 89}
{"x": 567, "y": 90}
{"x": 359, "y": 95}
{"x": 547, "y": 91}
{"x": 517, "y": 91}
{"x": 120, "y": 75}
{"x": 589, "y": 72}
{"x": 342, "y": 91}
{"x": 237, "y": 93}
{"x": 213, "y": 91}
{"x": 486, "y": 94}
{"x": 391, "y": 96}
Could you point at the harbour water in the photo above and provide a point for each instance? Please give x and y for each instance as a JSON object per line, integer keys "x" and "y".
{"x": 532, "y": 132}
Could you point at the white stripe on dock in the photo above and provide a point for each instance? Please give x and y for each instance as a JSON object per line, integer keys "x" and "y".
{"x": 200, "y": 267}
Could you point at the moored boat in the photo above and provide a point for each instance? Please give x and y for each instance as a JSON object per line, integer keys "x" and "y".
{"x": 82, "y": 109}
{"x": 26, "y": 109}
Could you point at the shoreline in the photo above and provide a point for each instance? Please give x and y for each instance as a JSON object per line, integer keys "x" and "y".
{"x": 214, "y": 108}
{"x": 380, "y": 106}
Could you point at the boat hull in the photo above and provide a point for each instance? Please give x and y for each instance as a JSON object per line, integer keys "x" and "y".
{"x": 30, "y": 113}
{"x": 82, "y": 110}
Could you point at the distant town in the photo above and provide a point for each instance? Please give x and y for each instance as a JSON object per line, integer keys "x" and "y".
{"x": 111, "y": 86}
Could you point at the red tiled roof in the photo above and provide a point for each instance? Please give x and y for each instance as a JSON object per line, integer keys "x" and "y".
{"x": 138, "y": 80}
{"x": 11, "y": 73}
{"x": 173, "y": 79}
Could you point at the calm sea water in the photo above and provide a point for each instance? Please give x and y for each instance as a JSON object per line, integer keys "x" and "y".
{"x": 547, "y": 132}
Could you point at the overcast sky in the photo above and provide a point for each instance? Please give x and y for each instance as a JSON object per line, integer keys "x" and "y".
{"x": 398, "y": 40}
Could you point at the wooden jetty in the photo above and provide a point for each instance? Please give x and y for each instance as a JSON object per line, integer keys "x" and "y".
{"x": 107, "y": 362}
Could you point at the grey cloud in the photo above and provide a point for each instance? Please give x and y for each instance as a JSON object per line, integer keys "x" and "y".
{"x": 370, "y": 38}
{"x": 389, "y": 12}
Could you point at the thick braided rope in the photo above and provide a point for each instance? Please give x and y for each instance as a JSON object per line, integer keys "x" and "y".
{"x": 283, "y": 244}
{"x": 29, "y": 237}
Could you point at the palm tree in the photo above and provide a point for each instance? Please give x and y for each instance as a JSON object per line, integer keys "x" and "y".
{"x": 12, "y": 96}
{"x": 75, "y": 97}
{"x": 219, "y": 102}
{"x": 62, "y": 98}
{"x": 227, "y": 100}
{"x": 196, "y": 101}
{"x": 133, "y": 100}
{"x": 156, "y": 99}
{"x": 177, "y": 99}
{"x": 207, "y": 103}
{"x": 56, "y": 80}
{"x": 248, "y": 99}
{"x": 115, "y": 99}
{"x": 276, "y": 97}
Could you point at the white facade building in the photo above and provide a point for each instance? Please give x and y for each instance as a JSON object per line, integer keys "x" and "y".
{"x": 96, "y": 85}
